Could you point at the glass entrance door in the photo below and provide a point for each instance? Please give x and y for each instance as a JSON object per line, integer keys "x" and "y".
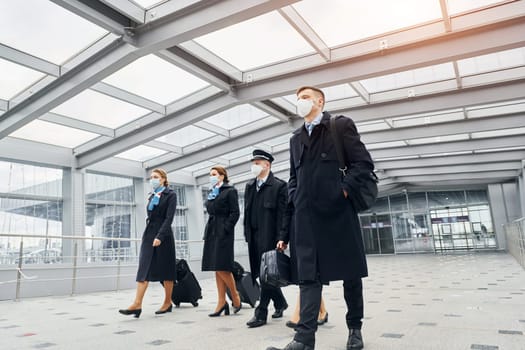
{"x": 377, "y": 234}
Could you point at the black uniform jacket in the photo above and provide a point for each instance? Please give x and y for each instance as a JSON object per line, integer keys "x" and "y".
{"x": 219, "y": 233}
{"x": 326, "y": 241}
{"x": 158, "y": 263}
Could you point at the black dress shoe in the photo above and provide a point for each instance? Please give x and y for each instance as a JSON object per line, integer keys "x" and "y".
{"x": 355, "y": 340}
{"x": 159, "y": 312}
{"x": 279, "y": 312}
{"x": 323, "y": 320}
{"x": 135, "y": 312}
{"x": 293, "y": 345}
{"x": 255, "y": 322}
{"x": 291, "y": 324}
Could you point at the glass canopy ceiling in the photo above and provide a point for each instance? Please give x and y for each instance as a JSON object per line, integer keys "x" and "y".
{"x": 421, "y": 78}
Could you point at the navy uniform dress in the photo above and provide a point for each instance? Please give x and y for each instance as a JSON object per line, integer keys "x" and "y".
{"x": 219, "y": 233}
{"x": 158, "y": 263}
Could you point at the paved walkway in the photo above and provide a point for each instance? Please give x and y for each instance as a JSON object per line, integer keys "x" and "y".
{"x": 468, "y": 301}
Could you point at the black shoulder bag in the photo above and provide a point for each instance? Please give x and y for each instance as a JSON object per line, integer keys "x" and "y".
{"x": 365, "y": 182}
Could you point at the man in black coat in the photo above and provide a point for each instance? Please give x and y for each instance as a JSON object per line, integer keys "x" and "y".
{"x": 266, "y": 199}
{"x": 327, "y": 243}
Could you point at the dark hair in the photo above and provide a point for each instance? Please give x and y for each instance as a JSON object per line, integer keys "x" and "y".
{"x": 319, "y": 91}
{"x": 162, "y": 174}
{"x": 222, "y": 171}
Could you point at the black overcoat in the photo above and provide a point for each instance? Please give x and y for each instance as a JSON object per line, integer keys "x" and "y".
{"x": 158, "y": 263}
{"x": 327, "y": 237}
{"x": 219, "y": 233}
{"x": 271, "y": 224}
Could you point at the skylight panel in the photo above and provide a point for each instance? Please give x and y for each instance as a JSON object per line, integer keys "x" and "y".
{"x": 492, "y": 62}
{"x": 97, "y": 108}
{"x": 53, "y": 134}
{"x": 413, "y": 77}
{"x": 15, "y": 78}
{"x": 256, "y": 42}
{"x": 427, "y": 119}
{"x": 186, "y": 136}
{"x": 236, "y": 117}
{"x": 141, "y": 153}
{"x": 341, "y": 21}
{"x": 155, "y": 79}
{"x": 45, "y": 30}
{"x": 458, "y": 6}
{"x": 339, "y": 92}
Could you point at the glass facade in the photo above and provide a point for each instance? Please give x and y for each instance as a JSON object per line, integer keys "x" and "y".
{"x": 30, "y": 205}
{"x": 410, "y": 222}
{"x": 110, "y": 213}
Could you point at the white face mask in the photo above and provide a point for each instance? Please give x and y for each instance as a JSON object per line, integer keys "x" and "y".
{"x": 155, "y": 183}
{"x": 214, "y": 180}
{"x": 304, "y": 107}
{"x": 256, "y": 169}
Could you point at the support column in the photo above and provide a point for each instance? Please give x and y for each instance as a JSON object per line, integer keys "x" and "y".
{"x": 139, "y": 224}
{"x": 73, "y": 212}
{"x": 195, "y": 219}
{"x": 521, "y": 187}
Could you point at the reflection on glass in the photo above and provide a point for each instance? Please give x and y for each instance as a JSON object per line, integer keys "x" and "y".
{"x": 30, "y": 204}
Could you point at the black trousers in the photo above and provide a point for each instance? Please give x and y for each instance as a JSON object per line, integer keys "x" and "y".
{"x": 310, "y": 295}
{"x": 269, "y": 293}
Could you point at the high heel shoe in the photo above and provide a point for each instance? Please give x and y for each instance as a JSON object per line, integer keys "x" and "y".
{"x": 135, "y": 312}
{"x": 323, "y": 320}
{"x": 159, "y": 312}
{"x": 237, "y": 309}
{"x": 225, "y": 308}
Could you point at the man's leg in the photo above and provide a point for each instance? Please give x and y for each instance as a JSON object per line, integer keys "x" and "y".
{"x": 310, "y": 299}
{"x": 261, "y": 311}
{"x": 353, "y": 291}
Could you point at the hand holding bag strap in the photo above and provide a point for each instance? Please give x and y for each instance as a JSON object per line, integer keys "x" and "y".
{"x": 338, "y": 146}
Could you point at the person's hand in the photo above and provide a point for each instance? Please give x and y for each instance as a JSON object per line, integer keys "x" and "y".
{"x": 345, "y": 193}
{"x": 281, "y": 246}
{"x": 156, "y": 242}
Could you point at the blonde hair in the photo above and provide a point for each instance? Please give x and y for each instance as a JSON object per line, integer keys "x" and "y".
{"x": 163, "y": 174}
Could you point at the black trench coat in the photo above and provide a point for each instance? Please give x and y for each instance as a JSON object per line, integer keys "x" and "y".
{"x": 219, "y": 233}
{"x": 327, "y": 241}
{"x": 158, "y": 263}
{"x": 271, "y": 225}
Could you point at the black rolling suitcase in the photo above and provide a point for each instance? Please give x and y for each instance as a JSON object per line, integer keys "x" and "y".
{"x": 248, "y": 291}
{"x": 187, "y": 288}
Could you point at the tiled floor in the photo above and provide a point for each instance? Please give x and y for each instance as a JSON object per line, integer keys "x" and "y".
{"x": 467, "y": 301}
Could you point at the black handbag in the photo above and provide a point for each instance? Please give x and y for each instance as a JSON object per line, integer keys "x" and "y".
{"x": 275, "y": 268}
{"x": 364, "y": 181}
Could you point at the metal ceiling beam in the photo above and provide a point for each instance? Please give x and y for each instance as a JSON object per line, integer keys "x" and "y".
{"x": 293, "y": 17}
{"x": 148, "y": 39}
{"x": 361, "y": 91}
{"x": 20, "y": 150}
{"x": 128, "y": 97}
{"x": 77, "y": 124}
{"x": 454, "y": 169}
{"x": 4, "y": 105}
{"x": 242, "y": 141}
{"x": 454, "y": 46}
{"x": 445, "y": 15}
{"x": 486, "y": 176}
{"x": 463, "y": 126}
{"x": 151, "y": 131}
{"x": 450, "y": 147}
{"x": 127, "y": 8}
{"x": 467, "y": 97}
{"x": 29, "y": 61}
{"x": 164, "y": 146}
{"x": 395, "y": 40}
{"x": 474, "y": 41}
{"x": 472, "y": 159}
{"x": 98, "y": 13}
